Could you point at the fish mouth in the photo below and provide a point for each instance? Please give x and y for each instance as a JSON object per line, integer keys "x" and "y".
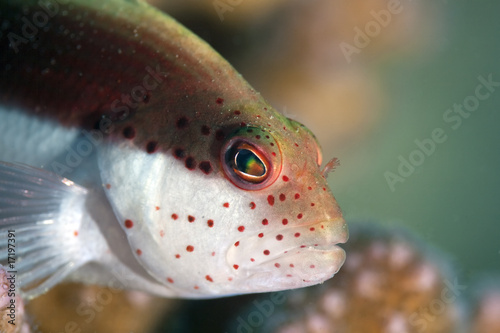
{"x": 291, "y": 257}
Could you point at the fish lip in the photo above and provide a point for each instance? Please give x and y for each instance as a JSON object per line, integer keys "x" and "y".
{"x": 249, "y": 252}
{"x": 341, "y": 239}
{"x": 324, "y": 246}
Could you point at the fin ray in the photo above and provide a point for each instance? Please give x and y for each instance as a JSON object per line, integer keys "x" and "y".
{"x": 45, "y": 210}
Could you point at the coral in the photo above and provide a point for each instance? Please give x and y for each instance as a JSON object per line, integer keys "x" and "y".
{"x": 73, "y": 307}
{"x": 486, "y": 315}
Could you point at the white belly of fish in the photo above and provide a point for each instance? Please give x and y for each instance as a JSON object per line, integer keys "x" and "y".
{"x": 61, "y": 230}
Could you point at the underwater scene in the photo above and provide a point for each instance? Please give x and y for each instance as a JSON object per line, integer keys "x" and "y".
{"x": 241, "y": 166}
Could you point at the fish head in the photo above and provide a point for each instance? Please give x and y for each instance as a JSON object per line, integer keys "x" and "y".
{"x": 227, "y": 206}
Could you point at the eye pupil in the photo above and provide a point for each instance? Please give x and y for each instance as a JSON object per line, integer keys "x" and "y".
{"x": 247, "y": 162}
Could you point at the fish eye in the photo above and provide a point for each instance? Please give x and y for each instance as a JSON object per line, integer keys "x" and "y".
{"x": 247, "y": 164}
{"x": 246, "y": 161}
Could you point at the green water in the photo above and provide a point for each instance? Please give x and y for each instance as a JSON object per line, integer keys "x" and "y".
{"x": 452, "y": 200}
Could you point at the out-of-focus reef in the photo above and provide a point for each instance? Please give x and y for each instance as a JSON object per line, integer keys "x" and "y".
{"x": 485, "y": 316}
{"x": 79, "y": 308}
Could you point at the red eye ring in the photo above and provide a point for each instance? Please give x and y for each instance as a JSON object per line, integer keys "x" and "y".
{"x": 247, "y": 163}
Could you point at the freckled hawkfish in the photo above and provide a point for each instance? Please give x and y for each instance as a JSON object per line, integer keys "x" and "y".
{"x": 132, "y": 152}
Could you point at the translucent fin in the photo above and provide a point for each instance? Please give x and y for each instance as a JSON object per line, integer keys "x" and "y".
{"x": 41, "y": 222}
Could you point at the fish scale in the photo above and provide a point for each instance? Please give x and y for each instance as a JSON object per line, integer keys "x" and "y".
{"x": 181, "y": 175}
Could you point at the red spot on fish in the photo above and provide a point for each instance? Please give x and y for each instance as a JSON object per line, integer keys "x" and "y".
{"x": 309, "y": 188}
{"x": 213, "y": 254}
{"x": 273, "y": 153}
{"x": 284, "y": 221}
{"x": 312, "y": 229}
{"x": 108, "y": 186}
{"x": 236, "y": 266}
{"x": 237, "y": 243}
{"x": 285, "y": 178}
{"x": 226, "y": 204}
{"x": 322, "y": 227}
{"x": 190, "y": 248}
{"x": 191, "y": 218}
{"x": 170, "y": 280}
{"x": 190, "y": 163}
{"x": 237, "y": 112}
{"x": 297, "y": 195}
{"x": 261, "y": 235}
{"x": 75, "y": 233}
{"x": 300, "y": 216}
{"x": 219, "y": 101}
{"x": 196, "y": 287}
{"x": 206, "y": 167}
{"x": 257, "y": 137}
{"x": 265, "y": 222}
{"x": 279, "y": 237}
{"x": 296, "y": 145}
{"x": 208, "y": 278}
{"x": 157, "y": 208}
{"x": 175, "y": 216}
{"x": 129, "y": 224}
{"x": 241, "y": 228}
{"x": 270, "y": 199}
{"x": 210, "y": 223}
{"x": 182, "y": 122}
{"x": 312, "y": 266}
{"x": 179, "y": 153}
{"x": 282, "y": 197}
{"x": 151, "y": 147}
{"x": 139, "y": 252}
{"x": 291, "y": 265}
{"x": 252, "y": 205}
{"x": 297, "y": 234}
{"x": 162, "y": 233}
{"x": 177, "y": 256}
{"x": 266, "y": 252}
{"x": 129, "y": 132}
{"x": 243, "y": 124}
{"x": 324, "y": 188}
{"x": 205, "y": 130}
{"x": 252, "y": 259}
{"x": 312, "y": 204}
{"x": 277, "y": 265}
{"x": 271, "y": 144}
{"x": 219, "y": 135}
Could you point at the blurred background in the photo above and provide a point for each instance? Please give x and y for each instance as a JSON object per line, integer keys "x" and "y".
{"x": 399, "y": 92}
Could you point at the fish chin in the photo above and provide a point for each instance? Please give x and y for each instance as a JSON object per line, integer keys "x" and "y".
{"x": 291, "y": 257}
{"x": 312, "y": 266}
